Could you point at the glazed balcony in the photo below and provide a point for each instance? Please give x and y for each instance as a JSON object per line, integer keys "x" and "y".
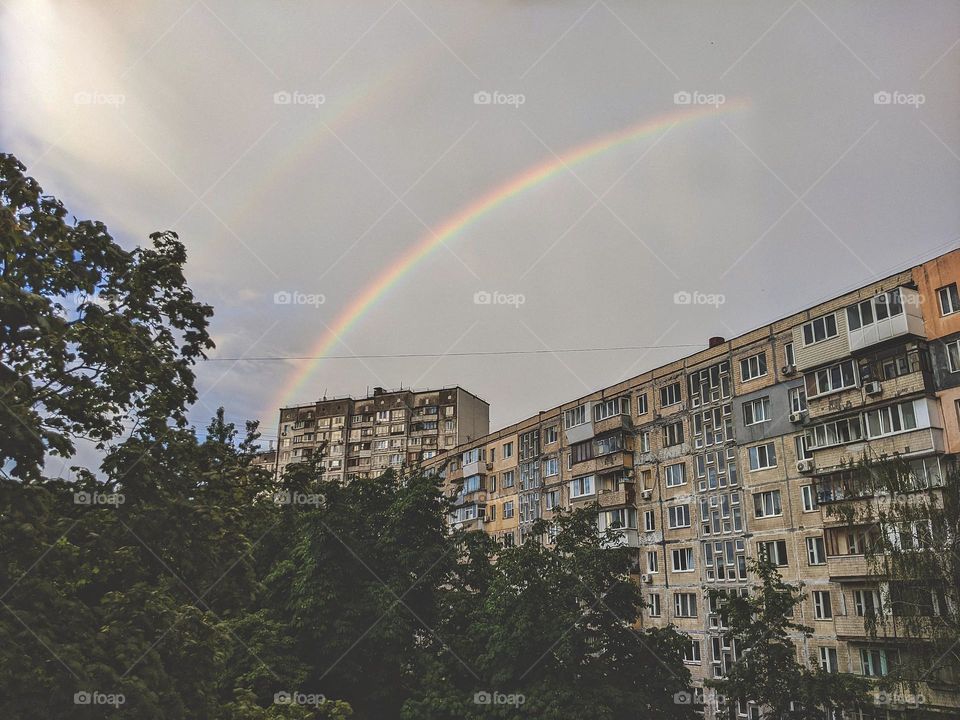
{"x": 626, "y": 495}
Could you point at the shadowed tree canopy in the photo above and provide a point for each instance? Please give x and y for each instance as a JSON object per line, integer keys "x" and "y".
{"x": 91, "y": 335}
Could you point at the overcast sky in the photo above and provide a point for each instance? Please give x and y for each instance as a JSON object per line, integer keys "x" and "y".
{"x": 308, "y": 147}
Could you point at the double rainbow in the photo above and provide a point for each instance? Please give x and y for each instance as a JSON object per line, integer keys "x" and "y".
{"x": 457, "y": 223}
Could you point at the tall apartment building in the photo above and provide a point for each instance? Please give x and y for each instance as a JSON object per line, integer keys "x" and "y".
{"x": 740, "y": 450}
{"x": 362, "y": 437}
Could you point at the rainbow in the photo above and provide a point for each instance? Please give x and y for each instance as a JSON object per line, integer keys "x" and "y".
{"x": 457, "y": 223}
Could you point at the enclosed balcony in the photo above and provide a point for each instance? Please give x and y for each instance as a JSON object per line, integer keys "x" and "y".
{"x": 884, "y": 317}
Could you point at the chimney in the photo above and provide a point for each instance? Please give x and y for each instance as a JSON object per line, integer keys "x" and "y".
{"x": 716, "y": 340}
{"x": 378, "y": 391}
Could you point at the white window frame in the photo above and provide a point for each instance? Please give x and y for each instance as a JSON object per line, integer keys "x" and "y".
{"x": 808, "y": 498}
{"x": 582, "y": 487}
{"x": 823, "y": 323}
{"x": 682, "y": 560}
{"x": 753, "y": 367}
{"x": 822, "y": 605}
{"x": 670, "y": 473}
{"x": 678, "y": 516}
{"x": 671, "y": 394}
{"x": 756, "y": 418}
{"x": 816, "y": 551}
{"x": 642, "y": 405}
{"x": 654, "y": 604}
{"x": 770, "y": 504}
{"x": 685, "y": 605}
{"x": 769, "y": 457}
{"x": 950, "y": 298}
{"x": 574, "y": 417}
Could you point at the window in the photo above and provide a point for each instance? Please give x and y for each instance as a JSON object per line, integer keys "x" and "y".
{"x": 508, "y": 509}
{"x": 675, "y": 474}
{"x": 551, "y": 467}
{"x": 670, "y": 395}
{"x": 507, "y": 450}
{"x": 808, "y": 495}
{"x": 649, "y": 521}
{"x": 798, "y": 399}
{"x": 816, "y": 555}
{"x": 491, "y": 513}
{"x": 492, "y": 483}
{"x": 608, "y": 444}
{"x": 645, "y": 441}
{"x": 953, "y": 355}
{"x": 581, "y": 452}
{"x": 869, "y": 311}
{"x": 773, "y": 550}
{"x": 788, "y": 355}
{"x": 493, "y": 454}
{"x": 685, "y": 604}
{"x": 803, "y": 449}
{"x": 756, "y": 411}
{"x": 471, "y": 484}
{"x": 822, "y": 609}
{"x": 767, "y": 504}
{"x": 691, "y": 652}
{"x": 550, "y": 435}
{"x": 581, "y": 487}
{"x": 642, "y": 404}
{"x": 653, "y": 563}
{"x": 654, "y": 604}
{"x": 866, "y": 603}
{"x": 552, "y": 498}
{"x": 835, "y": 433}
{"x": 828, "y": 659}
{"x": 874, "y": 661}
{"x": 508, "y": 479}
{"x": 949, "y": 299}
{"x": 574, "y": 417}
{"x": 679, "y": 516}
{"x": 682, "y": 560}
{"x": 823, "y": 328}
{"x": 472, "y": 456}
{"x": 753, "y": 367}
{"x": 673, "y": 434}
{"x": 830, "y": 379}
{"x": 610, "y": 408}
{"x": 890, "y": 420}
{"x": 762, "y": 456}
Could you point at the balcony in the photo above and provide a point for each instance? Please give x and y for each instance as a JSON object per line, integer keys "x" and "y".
{"x": 907, "y": 319}
{"x": 842, "y": 568}
{"x": 625, "y": 537}
{"x": 616, "y": 498}
{"x": 616, "y": 422}
{"x": 579, "y": 433}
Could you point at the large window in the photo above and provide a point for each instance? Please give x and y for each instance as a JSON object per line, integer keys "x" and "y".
{"x": 767, "y": 504}
{"x": 670, "y": 395}
{"x": 816, "y": 554}
{"x": 472, "y": 456}
{"x": 609, "y": 408}
{"x": 949, "y": 299}
{"x": 507, "y": 480}
{"x": 682, "y": 560}
{"x": 877, "y": 308}
{"x": 762, "y": 456}
{"x": 773, "y": 550}
{"x": 575, "y": 416}
{"x": 581, "y": 452}
{"x": 798, "y": 399}
{"x": 675, "y": 474}
{"x": 828, "y": 659}
{"x": 953, "y": 355}
{"x": 581, "y": 487}
{"x": 830, "y": 379}
{"x": 874, "y": 662}
{"x": 753, "y": 367}
{"x": 837, "y": 432}
{"x": 756, "y": 411}
{"x": 890, "y": 420}
{"x": 685, "y": 604}
{"x": 679, "y": 516}
{"x": 673, "y": 434}
{"x": 822, "y": 608}
{"x": 823, "y": 328}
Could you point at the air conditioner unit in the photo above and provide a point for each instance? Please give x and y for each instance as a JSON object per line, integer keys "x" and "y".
{"x": 805, "y": 466}
{"x": 489, "y": 466}
{"x": 646, "y": 577}
{"x": 788, "y": 369}
{"x": 798, "y": 417}
{"x": 873, "y": 388}
{"x": 646, "y": 494}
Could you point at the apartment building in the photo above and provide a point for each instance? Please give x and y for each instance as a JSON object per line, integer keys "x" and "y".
{"x": 739, "y": 451}
{"x": 362, "y": 437}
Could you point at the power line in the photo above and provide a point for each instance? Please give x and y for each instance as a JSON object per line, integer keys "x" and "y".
{"x": 478, "y": 353}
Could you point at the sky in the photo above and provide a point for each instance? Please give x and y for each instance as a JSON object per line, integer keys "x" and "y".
{"x": 361, "y": 180}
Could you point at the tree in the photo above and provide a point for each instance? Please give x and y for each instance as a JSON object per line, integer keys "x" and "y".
{"x": 908, "y": 514}
{"x": 90, "y": 333}
{"x": 767, "y": 671}
{"x": 548, "y": 632}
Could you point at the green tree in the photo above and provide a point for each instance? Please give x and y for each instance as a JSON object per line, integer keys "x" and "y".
{"x": 768, "y": 670}
{"x": 553, "y": 625}
{"x": 90, "y": 334}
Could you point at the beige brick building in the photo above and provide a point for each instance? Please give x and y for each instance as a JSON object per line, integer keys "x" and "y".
{"x": 738, "y": 450}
